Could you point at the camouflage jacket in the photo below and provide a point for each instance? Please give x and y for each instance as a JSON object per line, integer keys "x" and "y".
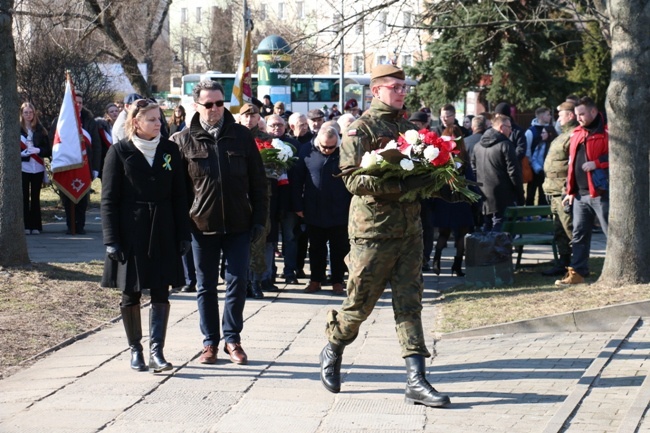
{"x": 556, "y": 164}
{"x": 375, "y": 212}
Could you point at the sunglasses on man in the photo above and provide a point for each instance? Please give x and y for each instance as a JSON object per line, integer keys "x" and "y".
{"x": 209, "y": 105}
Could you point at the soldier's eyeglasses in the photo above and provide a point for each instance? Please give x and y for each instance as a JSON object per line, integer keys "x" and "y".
{"x": 399, "y": 89}
{"x": 209, "y": 105}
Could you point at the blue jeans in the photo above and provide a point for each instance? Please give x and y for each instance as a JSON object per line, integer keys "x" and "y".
{"x": 207, "y": 258}
{"x": 188, "y": 269}
{"x": 585, "y": 210}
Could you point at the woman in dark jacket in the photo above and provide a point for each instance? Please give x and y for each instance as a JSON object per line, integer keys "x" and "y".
{"x": 146, "y": 227}
{"x": 177, "y": 121}
{"x": 453, "y": 216}
{"x": 34, "y": 146}
{"x": 324, "y": 201}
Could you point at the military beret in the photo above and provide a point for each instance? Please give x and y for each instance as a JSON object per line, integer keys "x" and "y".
{"x": 387, "y": 71}
{"x": 566, "y": 106}
{"x": 249, "y": 108}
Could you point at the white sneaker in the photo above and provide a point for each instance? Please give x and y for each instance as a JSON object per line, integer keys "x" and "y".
{"x": 36, "y": 232}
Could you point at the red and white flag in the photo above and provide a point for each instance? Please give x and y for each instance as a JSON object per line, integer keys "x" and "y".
{"x": 71, "y": 172}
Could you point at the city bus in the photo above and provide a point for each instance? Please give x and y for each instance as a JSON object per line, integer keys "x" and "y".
{"x": 308, "y": 91}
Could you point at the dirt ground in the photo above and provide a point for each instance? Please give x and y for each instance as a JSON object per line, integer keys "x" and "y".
{"x": 44, "y": 305}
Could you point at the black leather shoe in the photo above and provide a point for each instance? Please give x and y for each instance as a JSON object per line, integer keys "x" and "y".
{"x": 291, "y": 279}
{"x": 189, "y": 289}
{"x": 300, "y": 274}
{"x": 330, "y": 367}
{"x": 256, "y": 290}
{"x": 268, "y": 286}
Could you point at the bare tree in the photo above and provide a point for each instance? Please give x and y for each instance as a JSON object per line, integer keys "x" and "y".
{"x": 12, "y": 237}
{"x": 120, "y": 30}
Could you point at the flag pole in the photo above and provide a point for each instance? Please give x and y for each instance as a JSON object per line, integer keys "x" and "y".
{"x": 242, "y": 89}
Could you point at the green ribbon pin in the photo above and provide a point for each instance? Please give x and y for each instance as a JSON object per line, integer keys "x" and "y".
{"x": 168, "y": 158}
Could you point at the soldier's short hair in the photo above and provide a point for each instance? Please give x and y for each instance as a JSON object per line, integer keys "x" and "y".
{"x": 206, "y": 85}
{"x": 499, "y": 119}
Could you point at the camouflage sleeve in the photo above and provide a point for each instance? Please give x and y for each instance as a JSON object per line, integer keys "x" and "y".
{"x": 356, "y": 142}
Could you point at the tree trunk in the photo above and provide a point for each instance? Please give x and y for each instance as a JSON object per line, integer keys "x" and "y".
{"x": 628, "y": 108}
{"x": 13, "y": 247}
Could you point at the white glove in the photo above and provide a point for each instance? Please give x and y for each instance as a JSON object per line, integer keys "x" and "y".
{"x": 35, "y": 150}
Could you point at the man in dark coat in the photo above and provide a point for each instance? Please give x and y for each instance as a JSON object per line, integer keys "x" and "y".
{"x": 320, "y": 196}
{"x": 495, "y": 163}
{"x": 228, "y": 194}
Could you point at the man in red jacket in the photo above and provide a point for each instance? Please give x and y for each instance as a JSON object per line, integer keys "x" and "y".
{"x": 587, "y": 186}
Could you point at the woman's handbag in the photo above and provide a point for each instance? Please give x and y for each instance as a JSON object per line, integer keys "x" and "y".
{"x": 526, "y": 170}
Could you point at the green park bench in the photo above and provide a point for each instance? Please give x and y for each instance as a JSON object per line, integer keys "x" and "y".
{"x": 534, "y": 224}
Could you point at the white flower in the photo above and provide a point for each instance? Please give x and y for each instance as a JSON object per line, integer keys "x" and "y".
{"x": 379, "y": 158}
{"x": 368, "y": 159}
{"x": 407, "y": 164}
{"x": 277, "y": 143}
{"x": 411, "y": 136}
{"x": 431, "y": 153}
{"x": 391, "y": 145}
{"x": 458, "y": 165}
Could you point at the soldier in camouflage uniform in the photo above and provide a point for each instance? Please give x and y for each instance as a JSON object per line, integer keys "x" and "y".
{"x": 556, "y": 168}
{"x": 385, "y": 244}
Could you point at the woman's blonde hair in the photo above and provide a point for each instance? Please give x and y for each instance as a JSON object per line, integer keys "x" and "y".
{"x": 137, "y": 110}
{"x": 34, "y": 122}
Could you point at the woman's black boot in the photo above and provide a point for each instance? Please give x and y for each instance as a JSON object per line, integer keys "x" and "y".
{"x": 158, "y": 317}
{"x": 133, "y": 328}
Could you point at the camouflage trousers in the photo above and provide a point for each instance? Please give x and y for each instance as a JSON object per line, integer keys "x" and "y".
{"x": 372, "y": 263}
{"x": 563, "y": 224}
{"x": 257, "y": 260}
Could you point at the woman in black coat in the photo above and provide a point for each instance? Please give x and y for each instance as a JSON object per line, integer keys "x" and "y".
{"x": 34, "y": 146}
{"x": 146, "y": 227}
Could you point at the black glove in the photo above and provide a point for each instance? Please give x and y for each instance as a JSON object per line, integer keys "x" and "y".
{"x": 416, "y": 181}
{"x": 184, "y": 247}
{"x": 257, "y": 232}
{"x": 115, "y": 253}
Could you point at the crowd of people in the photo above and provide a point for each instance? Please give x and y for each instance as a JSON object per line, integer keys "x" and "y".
{"x": 189, "y": 202}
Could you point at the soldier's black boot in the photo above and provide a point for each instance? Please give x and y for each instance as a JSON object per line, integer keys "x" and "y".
{"x": 418, "y": 389}
{"x": 560, "y": 266}
{"x": 133, "y": 328}
{"x": 457, "y": 267}
{"x": 330, "y": 366}
{"x": 158, "y": 317}
{"x": 436, "y": 261}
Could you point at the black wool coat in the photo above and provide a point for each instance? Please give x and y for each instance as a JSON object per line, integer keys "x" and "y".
{"x": 144, "y": 210}
{"x": 495, "y": 163}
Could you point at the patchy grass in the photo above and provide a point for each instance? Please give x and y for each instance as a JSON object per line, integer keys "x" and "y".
{"x": 43, "y": 305}
{"x": 531, "y": 296}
